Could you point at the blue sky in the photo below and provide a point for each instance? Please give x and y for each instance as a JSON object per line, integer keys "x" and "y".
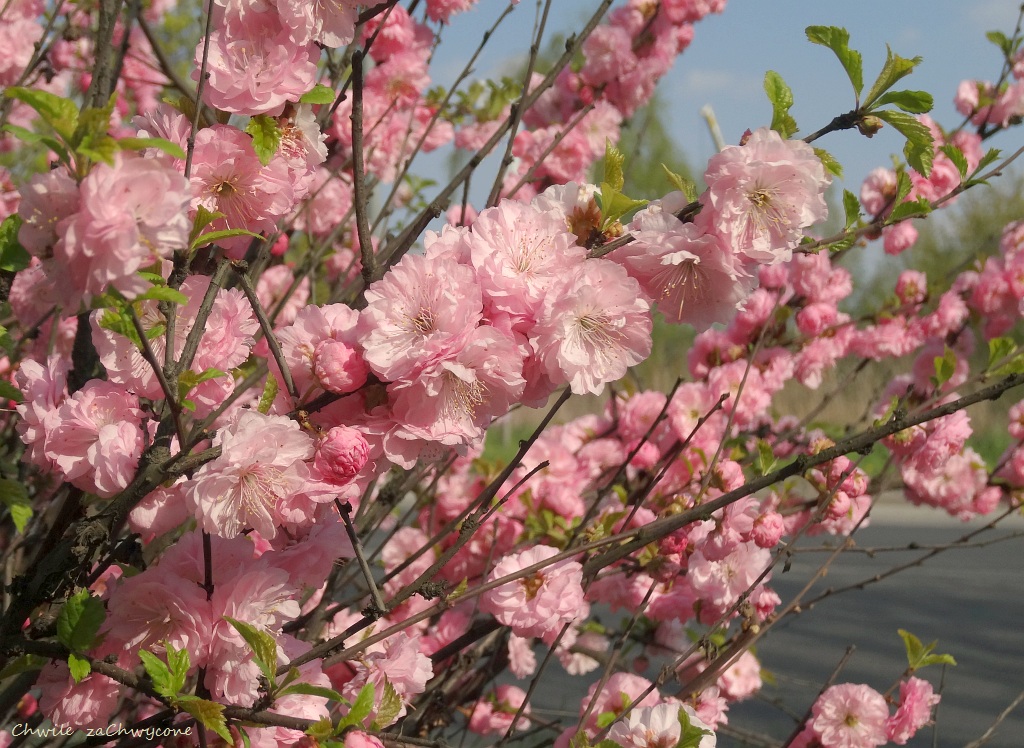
{"x": 725, "y": 65}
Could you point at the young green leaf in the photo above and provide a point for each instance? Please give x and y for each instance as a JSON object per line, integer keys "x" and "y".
{"x": 390, "y": 707}
{"x": 266, "y": 136}
{"x": 945, "y": 367}
{"x": 920, "y": 655}
{"x": 919, "y": 150}
{"x": 614, "y": 205}
{"x": 956, "y": 156}
{"x": 999, "y": 349}
{"x": 79, "y": 620}
{"x": 681, "y": 183}
{"x": 15, "y": 498}
{"x": 208, "y": 713}
{"x": 909, "y": 209}
{"x": 895, "y": 68}
{"x": 59, "y": 113}
{"x": 915, "y": 102}
{"x": 263, "y": 646}
{"x": 838, "y": 40}
{"x": 851, "y": 206}
{"x": 613, "y": 161}
{"x": 159, "y": 673}
{"x": 23, "y": 664}
{"x": 270, "y": 388}
{"x": 360, "y": 710}
{"x": 308, "y": 689}
{"x": 13, "y": 256}
{"x": 203, "y": 219}
{"x": 1001, "y": 40}
{"x": 320, "y": 94}
{"x": 829, "y": 162}
{"x": 78, "y": 667}
{"x": 160, "y": 144}
{"x": 216, "y": 236}
{"x": 163, "y": 293}
{"x": 689, "y": 734}
{"x": 781, "y": 97}
{"x": 178, "y": 663}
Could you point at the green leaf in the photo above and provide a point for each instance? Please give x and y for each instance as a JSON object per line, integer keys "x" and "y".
{"x": 321, "y": 730}
{"x": 766, "y": 460}
{"x": 613, "y": 161}
{"x": 998, "y": 349}
{"x": 31, "y": 137}
{"x": 920, "y": 147}
{"x": 203, "y": 219}
{"x": 851, "y": 206}
{"x": 163, "y": 293}
{"x": 614, "y": 205}
{"x": 829, "y": 162}
{"x": 58, "y": 112}
{"x": 389, "y": 709}
{"x": 360, "y": 710}
{"x": 209, "y": 714}
{"x": 13, "y": 256}
{"x": 909, "y": 209}
{"x": 838, "y": 40}
{"x": 957, "y": 157}
{"x": 24, "y": 664}
{"x": 216, "y": 236}
{"x": 781, "y": 98}
{"x": 79, "y": 620}
{"x": 160, "y": 144}
{"x": 915, "y": 102}
{"x": 903, "y": 186}
{"x": 101, "y": 149}
{"x": 920, "y": 655}
{"x": 15, "y": 497}
{"x": 684, "y": 185}
{"x": 266, "y": 136}
{"x": 319, "y": 94}
{"x": 263, "y": 646}
{"x": 270, "y": 389}
{"x": 895, "y": 68}
{"x": 1001, "y": 40}
{"x": 689, "y": 734}
{"x": 159, "y": 673}
{"x": 991, "y": 155}
{"x": 79, "y": 667}
{"x": 945, "y": 367}
{"x": 178, "y": 664}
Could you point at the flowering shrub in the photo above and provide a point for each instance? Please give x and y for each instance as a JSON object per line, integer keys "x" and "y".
{"x": 251, "y": 372}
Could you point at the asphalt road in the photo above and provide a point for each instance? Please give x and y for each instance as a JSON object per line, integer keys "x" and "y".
{"x": 971, "y": 600}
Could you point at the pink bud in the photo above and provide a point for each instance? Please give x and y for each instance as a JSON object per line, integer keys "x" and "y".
{"x": 341, "y": 454}
{"x": 767, "y": 530}
{"x": 339, "y": 368}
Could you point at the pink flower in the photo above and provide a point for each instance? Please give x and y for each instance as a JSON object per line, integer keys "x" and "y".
{"x": 656, "y": 727}
{"x": 96, "y": 438}
{"x": 539, "y": 604}
{"x": 255, "y": 67}
{"x": 761, "y": 195}
{"x": 400, "y": 663}
{"x": 850, "y": 715}
{"x": 519, "y": 252}
{"x": 593, "y": 327}
{"x": 261, "y": 464}
{"x": 914, "y": 712}
{"x": 132, "y": 214}
{"x": 493, "y": 715}
{"x": 88, "y": 703}
{"x": 690, "y": 275}
{"x": 340, "y": 455}
{"x": 329, "y": 22}
{"x": 357, "y": 739}
{"x": 419, "y": 313}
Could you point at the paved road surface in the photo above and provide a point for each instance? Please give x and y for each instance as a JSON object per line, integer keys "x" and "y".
{"x": 971, "y": 600}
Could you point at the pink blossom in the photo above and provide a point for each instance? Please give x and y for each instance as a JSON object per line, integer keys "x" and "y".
{"x": 358, "y": 739}
{"x": 690, "y": 275}
{"x": 46, "y": 201}
{"x": 899, "y": 237}
{"x": 878, "y": 190}
{"x": 132, "y": 214}
{"x": 255, "y": 67}
{"x": 271, "y": 289}
{"x": 419, "y": 313}
{"x": 261, "y": 464}
{"x": 850, "y": 715}
{"x": 538, "y": 604}
{"x": 720, "y": 583}
{"x": 96, "y": 439}
{"x": 341, "y": 454}
{"x": 329, "y": 329}
{"x": 594, "y": 327}
{"x": 914, "y": 712}
{"x": 400, "y": 663}
{"x": 88, "y": 703}
{"x": 762, "y": 195}
{"x": 493, "y": 715}
{"x": 44, "y": 388}
{"x": 656, "y": 727}
{"x": 519, "y": 252}
{"x": 329, "y": 22}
